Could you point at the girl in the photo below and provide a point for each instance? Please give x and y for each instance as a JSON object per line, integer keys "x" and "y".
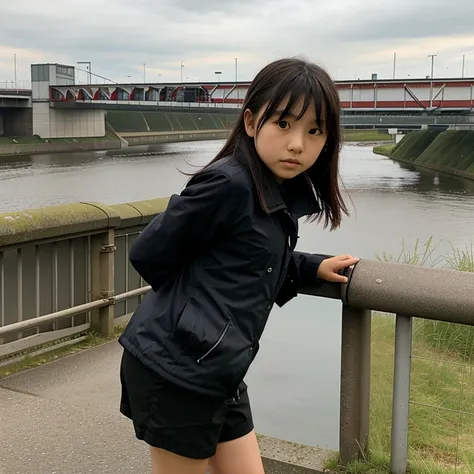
{"x": 217, "y": 260}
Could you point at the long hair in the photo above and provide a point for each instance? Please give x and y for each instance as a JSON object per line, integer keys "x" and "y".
{"x": 297, "y": 79}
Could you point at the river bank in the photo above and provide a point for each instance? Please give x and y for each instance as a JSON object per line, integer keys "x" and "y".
{"x": 34, "y": 145}
{"x": 450, "y": 152}
{"x": 17, "y": 146}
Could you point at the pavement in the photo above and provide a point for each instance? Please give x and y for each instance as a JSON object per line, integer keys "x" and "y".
{"x": 63, "y": 418}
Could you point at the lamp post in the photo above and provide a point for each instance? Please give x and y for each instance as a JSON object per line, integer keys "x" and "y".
{"x": 432, "y": 56}
{"x": 218, "y": 73}
{"x": 237, "y": 87}
{"x": 89, "y": 69}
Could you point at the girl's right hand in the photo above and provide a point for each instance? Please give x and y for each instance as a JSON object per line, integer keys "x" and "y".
{"x": 329, "y": 268}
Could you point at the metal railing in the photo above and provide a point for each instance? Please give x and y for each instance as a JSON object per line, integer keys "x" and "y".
{"x": 68, "y": 267}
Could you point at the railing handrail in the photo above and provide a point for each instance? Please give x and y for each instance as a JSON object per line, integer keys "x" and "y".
{"x": 424, "y": 292}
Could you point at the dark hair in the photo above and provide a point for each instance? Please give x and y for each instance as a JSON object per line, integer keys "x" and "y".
{"x": 295, "y": 78}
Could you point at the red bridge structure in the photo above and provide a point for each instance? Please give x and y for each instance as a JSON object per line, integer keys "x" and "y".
{"x": 362, "y": 96}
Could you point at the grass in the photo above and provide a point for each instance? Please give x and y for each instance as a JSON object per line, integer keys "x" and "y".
{"x": 92, "y": 339}
{"x": 20, "y": 140}
{"x": 414, "y": 144}
{"x": 450, "y": 151}
{"x": 366, "y": 136}
{"x": 440, "y": 439}
{"x": 441, "y": 427}
{"x": 385, "y": 150}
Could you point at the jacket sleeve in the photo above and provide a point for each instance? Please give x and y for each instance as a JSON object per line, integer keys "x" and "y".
{"x": 302, "y": 273}
{"x": 307, "y": 265}
{"x": 208, "y": 205}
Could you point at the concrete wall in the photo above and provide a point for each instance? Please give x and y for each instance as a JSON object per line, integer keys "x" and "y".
{"x": 57, "y": 123}
{"x": 58, "y": 147}
{"x": 173, "y": 137}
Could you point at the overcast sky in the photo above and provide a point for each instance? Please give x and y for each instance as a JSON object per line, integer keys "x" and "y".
{"x": 351, "y": 38}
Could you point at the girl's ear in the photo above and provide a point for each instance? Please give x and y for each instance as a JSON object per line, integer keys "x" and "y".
{"x": 249, "y": 122}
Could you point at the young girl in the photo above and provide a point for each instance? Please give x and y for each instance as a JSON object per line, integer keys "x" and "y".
{"x": 217, "y": 260}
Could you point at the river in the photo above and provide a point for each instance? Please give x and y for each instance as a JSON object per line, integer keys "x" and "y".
{"x": 294, "y": 382}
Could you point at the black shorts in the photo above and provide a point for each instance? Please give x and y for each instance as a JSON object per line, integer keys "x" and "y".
{"x": 178, "y": 420}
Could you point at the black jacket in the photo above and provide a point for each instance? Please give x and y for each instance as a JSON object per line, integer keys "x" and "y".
{"x": 217, "y": 263}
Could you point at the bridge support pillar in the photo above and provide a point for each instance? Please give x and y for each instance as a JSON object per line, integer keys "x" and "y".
{"x": 52, "y": 122}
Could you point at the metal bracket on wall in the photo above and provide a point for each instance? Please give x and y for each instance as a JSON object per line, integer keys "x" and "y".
{"x": 109, "y": 248}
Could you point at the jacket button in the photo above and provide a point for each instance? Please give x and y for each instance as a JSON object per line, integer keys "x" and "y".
{"x": 251, "y": 349}
{"x": 270, "y": 270}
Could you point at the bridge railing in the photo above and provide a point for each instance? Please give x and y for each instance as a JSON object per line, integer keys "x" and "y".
{"x": 65, "y": 269}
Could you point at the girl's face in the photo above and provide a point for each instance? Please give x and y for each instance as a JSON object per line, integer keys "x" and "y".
{"x": 288, "y": 147}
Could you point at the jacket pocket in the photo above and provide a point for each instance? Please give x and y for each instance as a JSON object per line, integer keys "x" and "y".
{"x": 214, "y": 347}
{"x": 200, "y": 331}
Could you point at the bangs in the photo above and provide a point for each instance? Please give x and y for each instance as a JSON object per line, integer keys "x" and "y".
{"x": 303, "y": 88}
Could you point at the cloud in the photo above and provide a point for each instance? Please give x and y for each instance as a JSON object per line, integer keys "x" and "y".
{"x": 351, "y": 38}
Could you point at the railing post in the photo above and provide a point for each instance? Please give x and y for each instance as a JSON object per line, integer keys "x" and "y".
{"x": 355, "y": 384}
{"x": 102, "y": 276}
{"x": 401, "y": 394}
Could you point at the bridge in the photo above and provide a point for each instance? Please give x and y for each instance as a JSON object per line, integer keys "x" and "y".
{"x": 412, "y": 95}
{"x": 56, "y": 107}
{"x": 64, "y": 271}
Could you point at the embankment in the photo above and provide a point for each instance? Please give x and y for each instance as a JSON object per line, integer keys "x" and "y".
{"x": 451, "y": 151}
{"x": 130, "y": 127}
{"x": 35, "y": 145}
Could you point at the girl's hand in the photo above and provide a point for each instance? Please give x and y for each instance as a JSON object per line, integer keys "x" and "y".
{"x": 329, "y": 269}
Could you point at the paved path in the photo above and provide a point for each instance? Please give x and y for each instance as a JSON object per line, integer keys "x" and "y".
{"x": 63, "y": 418}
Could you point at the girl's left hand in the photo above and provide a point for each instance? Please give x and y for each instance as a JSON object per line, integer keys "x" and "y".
{"x": 330, "y": 267}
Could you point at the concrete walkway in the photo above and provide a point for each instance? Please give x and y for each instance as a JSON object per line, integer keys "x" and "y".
{"x": 63, "y": 418}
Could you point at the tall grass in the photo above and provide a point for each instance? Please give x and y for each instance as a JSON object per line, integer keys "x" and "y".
{"x": 445, "y": 337}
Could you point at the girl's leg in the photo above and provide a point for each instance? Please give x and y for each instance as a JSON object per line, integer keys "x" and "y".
{"x": 239, "y": 456}
{"x": 165, "y": 462}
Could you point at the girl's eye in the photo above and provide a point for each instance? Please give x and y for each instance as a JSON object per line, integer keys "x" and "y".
{"x": 315, "y": 131}
{"x": 282, "y": 124}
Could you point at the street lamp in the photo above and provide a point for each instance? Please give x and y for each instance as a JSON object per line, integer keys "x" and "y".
{"x": 182, "y": 65}
{"x": 218, "y": 73}
{"x": 432, "y": 56}
{"x": 237, "y": 87}
{"x": 89, "y": 69}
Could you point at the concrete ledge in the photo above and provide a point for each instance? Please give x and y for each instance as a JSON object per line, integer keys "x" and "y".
{"x": 129, "y": 215}
{"x": 53, "y": 222}
{"x": 52, "y": 147}
{"x": 284, "y": 457}
{"x": 146, "y": 209}
{"x": 272, "y": 466}
{"x": 135, "y": 139}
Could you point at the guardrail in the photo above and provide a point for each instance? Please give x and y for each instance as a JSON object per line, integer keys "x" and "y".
{"x": 67, "y": 267}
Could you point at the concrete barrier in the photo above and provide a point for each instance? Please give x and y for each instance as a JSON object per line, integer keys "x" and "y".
{"x": 58, "y": 147}
{"x": 150, "y": 138}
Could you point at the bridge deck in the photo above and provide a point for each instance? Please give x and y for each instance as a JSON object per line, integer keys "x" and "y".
{"x": 63, "y": 417}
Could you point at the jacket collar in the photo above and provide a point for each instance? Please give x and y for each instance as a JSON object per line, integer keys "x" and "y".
{"x": 295, "y": 195}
